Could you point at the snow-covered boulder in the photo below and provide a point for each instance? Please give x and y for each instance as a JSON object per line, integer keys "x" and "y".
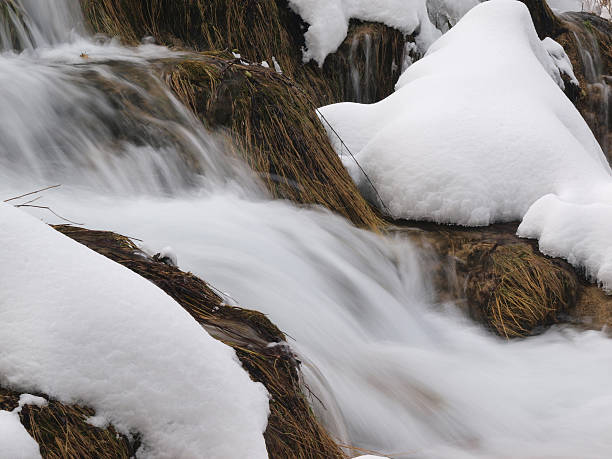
{"x": 478, "y": 131}
{"x": 82, "y": 328}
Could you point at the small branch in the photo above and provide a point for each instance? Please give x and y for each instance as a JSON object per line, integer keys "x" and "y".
{"x": 31, "y": 201}
{"x": 50, "y": 210}
{"x": 32, "y": 192}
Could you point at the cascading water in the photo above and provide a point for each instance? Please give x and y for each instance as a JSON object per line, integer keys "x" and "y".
{"x": 598, "y": 92}
{"x": 397, "y": 373}
{"x": 361, "y": 78}
{"x": 27, "y": 24}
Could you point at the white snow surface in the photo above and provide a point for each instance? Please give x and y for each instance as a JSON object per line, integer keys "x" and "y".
{"x": 15, "y": 441}
{"x": 329, "y": 20}
{"x": 561, "y": 60}
{"x": 83, "y": 329}
{"x": 478, "y": 131}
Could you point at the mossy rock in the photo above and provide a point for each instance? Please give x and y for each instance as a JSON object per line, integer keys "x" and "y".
{"x": 502, "y": 281}
{"x": 274, "y": 125}
{"x": 293, "y": 431}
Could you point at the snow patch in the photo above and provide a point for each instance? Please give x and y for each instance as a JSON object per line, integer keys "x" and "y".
{"x": 29, "y": 399}
{"x": 15, "y": 441}
{"x": 82, "y": 328}
{"x": 561, "y": 60}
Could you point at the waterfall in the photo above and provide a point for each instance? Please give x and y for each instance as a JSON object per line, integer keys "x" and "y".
{"x": 361, "y": 78}
{"x": 393, "y": 370}
{"x": 598, "y": 96}
{"x": 27, "y": 24}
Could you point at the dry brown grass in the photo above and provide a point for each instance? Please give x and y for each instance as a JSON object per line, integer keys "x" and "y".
{"x": 293, "y": 431}
{"x": 530, "y": 291}
{"x": 502, "y": 281}
{"x": 259, "y": 30}
{"x": 274, "y": 126}
{"x": 62, "y": 433}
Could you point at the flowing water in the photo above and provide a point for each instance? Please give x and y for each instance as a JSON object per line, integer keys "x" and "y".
{"x": 598, "y": 82}
{"x": 393, "y": 371}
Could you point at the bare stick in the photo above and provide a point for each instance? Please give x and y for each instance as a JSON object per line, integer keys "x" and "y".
{"x": 32, "y": 192}
{"x": 31, "y": 201}
{"x": 50, "y": 210}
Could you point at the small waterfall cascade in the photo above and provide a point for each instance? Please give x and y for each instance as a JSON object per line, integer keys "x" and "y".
{"x": 393, "y": 370}
{"x": 28, "y": 24}
{"x": 92, "y": 113}
{"x": 360, "y": 74}
{"x": 597, "y": 77}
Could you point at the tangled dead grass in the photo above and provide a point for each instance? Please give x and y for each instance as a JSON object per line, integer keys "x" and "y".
{"x": 274, "y": 125}
{"x": 293, "y": 431}
{"x": 62, "y": 432}
{"x": 260, "y": 30}
{"x": 516, "y": 291}
{"x": 502, "y": 281}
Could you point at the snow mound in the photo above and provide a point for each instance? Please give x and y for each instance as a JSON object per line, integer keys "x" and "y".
{"x": 15, "y": 441}
{"x": 577, "y": 231}
{"x": 83, "y": 329}
{"x": 478, "y": 131}
{"x": 329, "y": 20}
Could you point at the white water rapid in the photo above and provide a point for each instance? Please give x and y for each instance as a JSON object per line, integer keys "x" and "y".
{"x": 397, "y": 373}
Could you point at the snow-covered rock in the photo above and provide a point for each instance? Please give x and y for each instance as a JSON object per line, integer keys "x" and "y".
{"x": 329, "y": 20}
{"x": 478, "y": 131}
{"x": 83, "y": 329}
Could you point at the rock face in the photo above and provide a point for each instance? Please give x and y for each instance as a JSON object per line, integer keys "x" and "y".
{"x": 292, "y": 428}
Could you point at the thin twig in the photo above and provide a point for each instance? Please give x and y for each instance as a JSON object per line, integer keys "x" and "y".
{"x": 50, "y": 210}
{"x": 344, "y": 145}
{"x": 32, "y": 192}
{"x": 31, "y": 201}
